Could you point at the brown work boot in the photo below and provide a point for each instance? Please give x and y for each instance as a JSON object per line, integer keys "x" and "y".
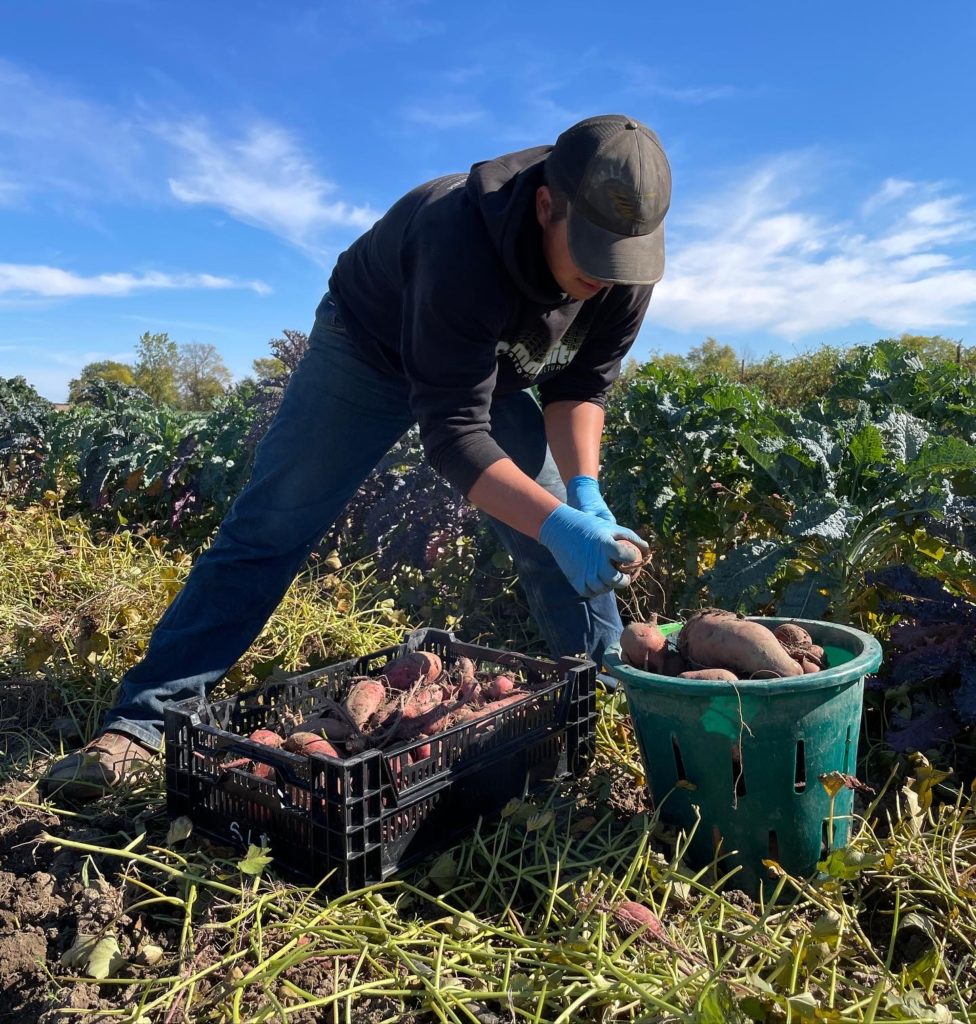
{"x": 97, "y": 768}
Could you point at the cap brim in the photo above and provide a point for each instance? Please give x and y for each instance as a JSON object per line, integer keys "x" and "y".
{"x": 619, "y": 259}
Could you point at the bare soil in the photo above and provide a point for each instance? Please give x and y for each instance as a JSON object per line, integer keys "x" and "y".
{"x": 48, "y": 896}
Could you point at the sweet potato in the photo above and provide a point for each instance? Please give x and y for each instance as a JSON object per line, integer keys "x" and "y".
{"x": 420, "y": 701}
{"x": 267, "y": 738}
{"x": 500, "y": 686}
{"x": 635, "y": 560}
{"x": 410, "y": 669}
{"x": 715, "y": 674}
{"x": 468, "y": 687}
{"x": 643, "y": 645}
{"x": 309, "y": 743}
{"x": 790, "y": 634}
{"x": 810, "y": 659}
{"x": 713, "y": 638}
{"x": 424, "y": 716}
{"x": 632, "y": 917}
{"x": 464, "y": 669}
{"x": 468, "y": 714}
{"x": 364, "y": 699}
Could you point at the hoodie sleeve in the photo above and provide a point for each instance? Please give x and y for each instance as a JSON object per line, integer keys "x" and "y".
{"x": 454, "y": 305}
{"x": 596, "y": 365}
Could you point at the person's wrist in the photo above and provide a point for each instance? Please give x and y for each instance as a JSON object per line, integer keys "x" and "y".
{"x": 581, "y": 488}
{"x": 557, "y": 519}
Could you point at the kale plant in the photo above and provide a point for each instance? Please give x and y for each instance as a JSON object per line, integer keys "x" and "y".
{"x": 928, "y": 682}
{"x": 432, "y": 548}
{"x": 863, "y": 490}
{"x": 674, "y": 469}
{"x": 25, "y": 420}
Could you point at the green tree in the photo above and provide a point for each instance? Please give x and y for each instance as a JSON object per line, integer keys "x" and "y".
{"x": 936, "y": 349}
{"x": 712, "y": 357}
{"x": 104, "y": 369}
{"x": 201, "y": 376}
{"x": 792, "y": 383}
{"x": 268, "y": 368}
{"x": 156, "y": 367}
{"x": 668, "y": 360}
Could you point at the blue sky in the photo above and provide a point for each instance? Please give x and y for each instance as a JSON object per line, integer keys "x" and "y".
{"x": 195, "y": 168}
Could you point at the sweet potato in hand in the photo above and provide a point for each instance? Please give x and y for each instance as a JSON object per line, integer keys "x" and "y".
{"x": 635, "y": 560}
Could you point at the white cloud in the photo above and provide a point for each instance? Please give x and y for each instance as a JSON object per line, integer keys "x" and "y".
{"x": 938, "y": 222}
{"x": 31, "y": 279}
{"x": 693, "y": 93}
{"x": 441, "y": 118}
{"x": 762, "y": 257}
{"x": 56, "y": 141}
{"x": 646, "y": 80}
{"x": 360, "y": 24}
{"x": 10, "y": 192}
{"x": 891, "y": 189}
{"x": 61, "y": 146}
{"x": 262, "y": 179}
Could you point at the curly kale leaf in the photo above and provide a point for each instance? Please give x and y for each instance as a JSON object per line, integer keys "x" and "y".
{"x": 924, "y": 732}
{"x": 827, "y": 518}
{"x": 808, "y": 598}
{"x": 924, "y": 664}
{"x": 744, "y": 571}
{"x": 922, "y": 598}
{"x": 965, "y": 696}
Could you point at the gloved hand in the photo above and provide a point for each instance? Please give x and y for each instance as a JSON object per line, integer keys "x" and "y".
{"x": 585, "y": 548}
{"x": 583, "y": 492}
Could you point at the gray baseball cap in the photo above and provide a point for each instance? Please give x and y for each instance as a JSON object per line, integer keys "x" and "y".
{"x": 617, "y": 179}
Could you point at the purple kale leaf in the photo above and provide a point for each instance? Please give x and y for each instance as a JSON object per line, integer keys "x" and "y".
{"x": 965, "y": 696}
{"x": 924, "y": 732}
{"x": 932, "y": 661}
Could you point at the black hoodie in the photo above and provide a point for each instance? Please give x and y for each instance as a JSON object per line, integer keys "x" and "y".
{"x": 451, "y": 289}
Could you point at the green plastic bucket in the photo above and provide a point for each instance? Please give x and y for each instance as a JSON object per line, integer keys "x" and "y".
{"x": 748, "y": 755}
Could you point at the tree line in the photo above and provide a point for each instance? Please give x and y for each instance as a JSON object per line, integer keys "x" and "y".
{"x": 193, "y": 376}
{"x": 792, "y": 381}
{"x": 190, "y": 376}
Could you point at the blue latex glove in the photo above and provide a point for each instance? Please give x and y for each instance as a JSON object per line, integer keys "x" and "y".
{"x": 585, "y": 548}
{"x": 583, "y": 492}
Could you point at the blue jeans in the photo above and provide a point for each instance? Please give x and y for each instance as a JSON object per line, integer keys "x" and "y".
{"x": 338, "y": 417}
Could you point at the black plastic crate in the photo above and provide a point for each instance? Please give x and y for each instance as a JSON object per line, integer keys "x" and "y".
{"x": 366, "y": 816}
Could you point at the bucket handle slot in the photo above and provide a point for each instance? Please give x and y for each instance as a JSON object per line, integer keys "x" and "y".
{"x": 679, "y": 765}
{"x": 800, "y": 774}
